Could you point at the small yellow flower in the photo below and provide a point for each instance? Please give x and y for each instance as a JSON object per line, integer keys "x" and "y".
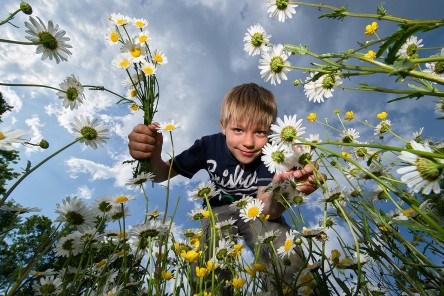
{"x": 264, "y": 217}
{"x": 101, "y": 263}
{"x": 211, "y": 265}
{"x": 134, "y": 107}
{"x": 195, "y": 242}
{"x": 250, "y": 272}
{"x": 121, "y": 199}
{"x": 345, "y": 154}
{"x": 370, "y": 55}
{"x": 311, "y": 117}
{"x": 201, "y": 271}
{"x": 190, "y": 256}
{"x": 371, "y": 29}
{"x": 238, "y": 282}
{"x": 335, "y": 254}
{"x": 383, "y": 228}
{"x": 237, "y": 250}
{"x": 349, "y": 115}
{"x": 381, "y": 116}
{"x": 166, "y": 275}
{"x": 258, "y": 266}
{"x": 206, "y": 214}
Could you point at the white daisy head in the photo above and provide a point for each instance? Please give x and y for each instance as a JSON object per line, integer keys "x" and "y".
{"x": 198, "y": 214}
{"x": 226, "y": 224}
{"x": 203, "y": 191}
{"x": 282, "y": 9}
{"x": 274, "y": 65}
{"x": 140, "y": 180}
{"x": 301, "y": 155}
{"x": 241, "y": 203}
{"x": 288, "y": 248}
{"x": 112, "y": 36}
{"x": 72, "y": 92}
{"x": 136, "y": 51}
{"x": 276, "y": 158}
{"x": 410, "y": 47}
{"x": 383, "y": 127}
{"x": 286, "y": 131}
{"x": 268, "y": 236}
{"x": 168, "y": 126}
{"x": 10, "y": 137}
{"x": 312, "y": 231}
{"x": 439, "y": 108}
{"x": 159, "y": 57}
{"x": 148, "y": 68}
{"x": 49, "y": 285}
{"x": 52, "y": 40}
{"x": 91, "y": 132}
{"x": 349, "y": 136}
{"x": 75, "y": 212}
{"x": 122, "y": 61}
{"x": 314, "y": 138}
{"x": 66, "y": 246}
{"x": 252, "y": 210}
{"x": 436, "y": 68}
{"x": 139, "y": 22}
{"x": 330, "y": 196}
{"x": 256, "y": 40}
{"x": 119, "y": 19}
{"x": 316, "y": 87}
{"x": 104, "y": 206}
{"x": 142, "y": 37}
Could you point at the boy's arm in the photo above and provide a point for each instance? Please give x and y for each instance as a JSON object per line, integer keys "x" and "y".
{"x": 306, "y": 174}
{"x": 146, "y": 142}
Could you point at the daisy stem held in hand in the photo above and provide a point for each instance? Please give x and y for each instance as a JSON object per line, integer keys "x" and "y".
{"x": 28, "y": 170}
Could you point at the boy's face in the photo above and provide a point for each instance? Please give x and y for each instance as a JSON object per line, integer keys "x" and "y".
{"x": 245, "y": 141}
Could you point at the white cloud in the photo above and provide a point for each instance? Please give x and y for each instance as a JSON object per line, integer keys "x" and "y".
{"x": 35, "y": 125}
{"x": 84, "y": 192}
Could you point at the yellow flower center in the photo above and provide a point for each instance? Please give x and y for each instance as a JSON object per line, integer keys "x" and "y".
{"x": 121, "y": 22}
{"x": 288, "y": 245}
{"x": 114, "y": 37}
{"x": 169, "y": 127}
{"x": 139, "y": 24}
{"x": 253, "y": 212}
{"x": 101, "y": 263}
{"x": 2, "y": 136}
{"x": 143, "y": 38}
{"x": 148, "y": 70}
{"x": 122, "y": 199}
{"x": 135, "y": 52}
{"x": 158, "y": 58}
{"x": 124, "y": 64}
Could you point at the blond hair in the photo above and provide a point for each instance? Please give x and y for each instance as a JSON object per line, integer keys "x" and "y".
{"x": 250, "y": 104}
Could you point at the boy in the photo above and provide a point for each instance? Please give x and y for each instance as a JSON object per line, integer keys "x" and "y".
{"x": 232, "y": 160}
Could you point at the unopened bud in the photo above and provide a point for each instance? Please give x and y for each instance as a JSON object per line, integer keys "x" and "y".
{"x": 297, "y": 82}
{"x": 26, "y": 8}
{"x": 44, "y": 144}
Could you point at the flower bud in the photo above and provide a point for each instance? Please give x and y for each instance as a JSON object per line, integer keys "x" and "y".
{"x": 298, "y": 241}
{"x": 26, "y": 8}
{"x": 44, "y": 144}
{"x": 297, "y": 82}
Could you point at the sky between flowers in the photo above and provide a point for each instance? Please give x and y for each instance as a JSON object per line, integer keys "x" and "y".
{"x": 203, "y": 41}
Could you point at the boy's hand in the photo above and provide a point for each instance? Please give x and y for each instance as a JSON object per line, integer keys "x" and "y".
{"x": 145, "y": 141}
{"x": 306, "y": 175}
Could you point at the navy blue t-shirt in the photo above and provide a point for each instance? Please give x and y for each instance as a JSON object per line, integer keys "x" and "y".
{"x": 232, "y": 179}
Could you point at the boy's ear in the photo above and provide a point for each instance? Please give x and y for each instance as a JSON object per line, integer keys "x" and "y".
{"x": 222, "y": 127}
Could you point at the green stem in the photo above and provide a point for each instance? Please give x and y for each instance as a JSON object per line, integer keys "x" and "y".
{"x": 10, "y": 17}
{"x": 29, "y": 171}
{"x": 34, "y": 85}
{"x": 393, "y": 91}
{"x": 20, "y": 42}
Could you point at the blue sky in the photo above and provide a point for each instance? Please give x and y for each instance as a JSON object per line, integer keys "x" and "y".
{"x": 203, "y": 42}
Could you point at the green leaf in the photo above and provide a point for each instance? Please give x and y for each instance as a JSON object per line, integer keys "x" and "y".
{"x": 381, "y": 10}
{"x": 410, "y": 96}
{"x": 337, "y": 14}
{"x": 296, "y": 49}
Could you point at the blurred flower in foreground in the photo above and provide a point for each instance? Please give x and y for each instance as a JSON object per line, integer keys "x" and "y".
{"x": 75, "y": 212}
{"x": 256, "y": 40}
{"x": 49, "y": 40}
{"x": 49, "y": 285}
{"x": 317, "y": 90}
{"x": 140, "y": 179}
{"x": 370, "y": 55}
{"x": 18, "y": 210}
{"x": 424, "y": 173}
{"x": 281, "y": 9}
{"x": 7, "y": 138}
{"x": 72, "y": 92}
{"x": 92, "y": 132}
{"x": 274, "y": 64}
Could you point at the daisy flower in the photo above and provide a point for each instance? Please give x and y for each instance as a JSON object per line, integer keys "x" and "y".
{"x": 349, "y": 136}
{"x": 288, "y": 248}
{"x": 301, "y": 155}
{"x": 91, "y": 132}
{"x": 139, "y": 22}
{"x": 197, "y": 214}
{"x": 241, "y": 203}
{"x": 148, "y": 68}
{"x": 122, "y": 61}
{"x": 252, "y": 210}
{"x": 112, "y": 36}
{"x": 223, "y": 249}
{"x": 66, "y": 247}
{"x": 226, "y": 224}
{"x": 51, "y": 41}
{"x": 18, "y": 210}
{"x": 422, "y": 174}
{"x": 322, "y": 87}
{"x": 104, "y": 206}
{"x": 49, "y": 285}
{"x": 7, "y": 138}
{"x": 311, "y": 232}
{"x": 436, "y": 68}
{"x": 382, "y": 127}
{"x": 168, "y": 126}
{"x": 314, "y": 138}
{"x": 286, "y": 131}
{"x": 203, "y": 191}
{"x": 275, "y": 158}
{"x": 332, "y": 195}
{"x": 135, "y": 50}
{"x": 75, "y": 212}
{"x": 377, "y": 193}
{"x": 153, "y": 228}
{"x": 140, "y": 180}
{"x": 119, "y": 19}
{"x": 160, "y": 57}
{"x": 256, "y": 40}
{"x": 131, "y": 93}
{"x": 192, "y": 232}
{"x": 439, "y": 107}
{"x": 119, "y": 212}
{"x": 281, "y": 9}
{"x": 352, "y": 263}
{"x": 409, "y": 48}
{"x": 72, "y": 92}
{"x": 274, "y": 64}
{"x": 142, "y": 37}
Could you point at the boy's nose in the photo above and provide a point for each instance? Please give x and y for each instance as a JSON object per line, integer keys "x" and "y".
{"x": 248, "y": 141}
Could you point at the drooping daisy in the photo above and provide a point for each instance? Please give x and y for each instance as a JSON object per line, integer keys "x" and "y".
{"x": 275, "y": 158}
{"x": 142, "y": 37}
{"x": 52, "y": 41}
{"x": 112, "y": 36}
{"x": 410, "y": 47}
{"x": 139, "y": 22}
{"x": 382, "y": 127}
{"x": 256, "y": 40}
{"x": 349, "y": 136}
{"x": 322, "y": 87}
{"x": 122, "y": 61}
{"x": 436, "y": 68}
{"x": 274, "y": 64}
{"x": 223, "y": 249}
{"x": 72, "y": 92}
{"x": 377, "y": 193}
{"x": 91, "y": 132}
{"x": 197, "y": 214}
{"x": 160, "y": 57}
{"x": 148, "y": 68}
{"x": 75, "y": 212}
{"x": 332, "y": 195}
{"x": 140, "y": 180}
{"x": 423, "y": 174}
{"x": 49, "y": 285}
{"x": 203, "y": 191}
{"x": 119, "y": 19}
{"x": 286, "y": 131}
{"x": 136, "y": 51}
{"x": 7, "y": 138}
{"x": 153, "y": 228}
{"x": 241, "y": 203}
{"x": 192, "y": 232}
{"x": 281, "y": 9}
{"x": 314, "y": 138}
{"x": 252, "y": 210}
{"x": 288, "y": 248}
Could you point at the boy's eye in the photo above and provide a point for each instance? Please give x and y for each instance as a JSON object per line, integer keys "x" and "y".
{"x": 237, "y": 130}
{"x": 262, "y": 133}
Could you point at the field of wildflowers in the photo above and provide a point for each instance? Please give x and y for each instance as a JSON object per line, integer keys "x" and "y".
{"x": 388, "y": 197}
